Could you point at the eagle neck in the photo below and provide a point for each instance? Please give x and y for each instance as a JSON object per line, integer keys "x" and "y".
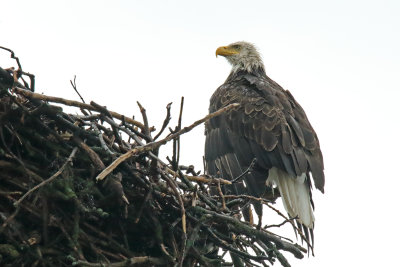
{"x": 236, "y": 72}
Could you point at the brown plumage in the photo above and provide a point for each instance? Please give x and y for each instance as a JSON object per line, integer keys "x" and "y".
{"x": 269, "y": 125}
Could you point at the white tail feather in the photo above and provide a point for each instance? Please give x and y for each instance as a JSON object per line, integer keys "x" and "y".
{"x": 295, "y": 195}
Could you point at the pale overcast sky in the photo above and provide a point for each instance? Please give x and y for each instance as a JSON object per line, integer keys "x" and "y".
{"x": 340, "y": 59}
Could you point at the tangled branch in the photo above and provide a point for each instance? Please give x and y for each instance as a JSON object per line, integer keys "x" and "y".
{"x": 91, "y": 190}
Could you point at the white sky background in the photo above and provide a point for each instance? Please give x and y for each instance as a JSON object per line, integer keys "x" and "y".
{"x": 340, "y": 59}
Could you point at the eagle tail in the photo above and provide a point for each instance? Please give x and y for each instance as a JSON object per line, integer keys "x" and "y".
{"x": 295, "y": 193}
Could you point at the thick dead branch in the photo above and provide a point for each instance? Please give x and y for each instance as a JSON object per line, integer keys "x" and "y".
{"x": 73, "y": 103}
{"x": 154, "y": 145}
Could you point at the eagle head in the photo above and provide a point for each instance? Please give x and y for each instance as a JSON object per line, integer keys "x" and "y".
{"x": 242, "y": 56}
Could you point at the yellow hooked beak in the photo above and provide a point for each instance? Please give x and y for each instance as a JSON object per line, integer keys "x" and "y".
{"x": 226, "y": 51}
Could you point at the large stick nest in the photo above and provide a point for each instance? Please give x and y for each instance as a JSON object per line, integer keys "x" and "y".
{"x": 90, "y": 190}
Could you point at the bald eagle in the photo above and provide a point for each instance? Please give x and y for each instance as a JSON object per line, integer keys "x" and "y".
{"x": 269, "y": 126}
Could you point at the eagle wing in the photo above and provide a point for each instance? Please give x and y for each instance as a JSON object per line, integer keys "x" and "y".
{"x": 269, "y": 125}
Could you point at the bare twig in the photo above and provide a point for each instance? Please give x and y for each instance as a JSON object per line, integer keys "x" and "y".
{"x": 92, "y": 155}
{"x": 145, "y": 120}
{"x": 73, "y": 83}
{"x": 178, "y": 140}
{"x": 12, "y": 56}
{"x": 221, "y": 195}
{"x": 248, "y": 170}
{"x": 20, "y": 71}
{"x": 54, "y": 176}
{"x": 128, "y": 262}
{"x": 166, "y": 121}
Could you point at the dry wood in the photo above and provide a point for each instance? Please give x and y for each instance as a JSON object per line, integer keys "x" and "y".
{"x": 146, "y": 213}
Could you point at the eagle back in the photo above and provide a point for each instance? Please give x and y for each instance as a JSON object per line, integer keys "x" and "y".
{"x": 273, "y": 122}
